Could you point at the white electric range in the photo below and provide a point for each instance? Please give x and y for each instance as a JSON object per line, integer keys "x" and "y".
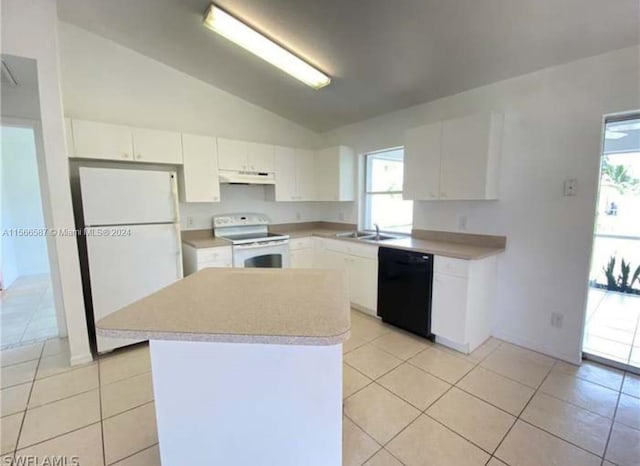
{"x": 252, "y": 243}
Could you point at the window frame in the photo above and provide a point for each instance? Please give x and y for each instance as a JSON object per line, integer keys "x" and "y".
{"x": 367, "y": 195}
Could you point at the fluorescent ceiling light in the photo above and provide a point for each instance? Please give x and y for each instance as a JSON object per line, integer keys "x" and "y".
{"x": 236, "y": 31}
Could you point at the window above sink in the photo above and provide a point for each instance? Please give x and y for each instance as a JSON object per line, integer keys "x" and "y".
{"x": 383, "y": 202}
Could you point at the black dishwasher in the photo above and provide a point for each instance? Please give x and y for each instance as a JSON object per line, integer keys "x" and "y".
{"x": 404, "y": 289}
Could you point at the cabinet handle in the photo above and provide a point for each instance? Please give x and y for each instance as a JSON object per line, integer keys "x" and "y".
{"x": 138, "y": 156}
{"x": 125, "y": 156}
{"x": 432, "y": 194}
{"x": 215, "y": 198}
{"x": 443, "y": 194}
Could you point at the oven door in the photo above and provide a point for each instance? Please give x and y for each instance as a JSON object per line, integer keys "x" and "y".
{"x": 270, "y": 255}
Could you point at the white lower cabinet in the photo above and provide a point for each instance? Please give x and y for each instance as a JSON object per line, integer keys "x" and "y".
{"x": 362, "y": 274}
{"x": 301, "y": 253}
{"x": 194, "y": 259}
{"x": 359, "y": 261}
{"x": 463, "y": 297}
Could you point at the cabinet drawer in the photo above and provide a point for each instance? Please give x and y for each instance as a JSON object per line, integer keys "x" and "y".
{"x": 352, "y": 248}
{"x": 451, "y": 266}
{"x": 219, "y": 254}
{"x": 205, "y": 265}
{"x": 300, "y": 243}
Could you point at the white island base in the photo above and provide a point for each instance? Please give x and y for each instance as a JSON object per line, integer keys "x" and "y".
{"x": 248, "y": 403}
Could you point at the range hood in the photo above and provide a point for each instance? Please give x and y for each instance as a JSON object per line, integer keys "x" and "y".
{"x": 241, "y": 177}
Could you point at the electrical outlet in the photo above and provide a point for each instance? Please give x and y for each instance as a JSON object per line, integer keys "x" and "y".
{"x": 462, "y": 223}
{"x": 190, "y": 221}
{"x": 569, "y": 187}
{"x": 557, "y": 319}
{"x": 298, "y": 216}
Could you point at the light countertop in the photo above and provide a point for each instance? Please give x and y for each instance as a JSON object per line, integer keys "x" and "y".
{"x": 439, "y": 245}
{"x": 241, "y": 305}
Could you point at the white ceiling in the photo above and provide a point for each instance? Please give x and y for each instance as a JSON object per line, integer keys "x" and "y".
{"x": 384, "y": 55}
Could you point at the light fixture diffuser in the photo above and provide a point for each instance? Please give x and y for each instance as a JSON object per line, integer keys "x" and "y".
{"x": 248, "y": 38}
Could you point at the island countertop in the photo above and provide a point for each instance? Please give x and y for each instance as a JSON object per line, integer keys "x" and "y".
{"x": 269, "y": 306}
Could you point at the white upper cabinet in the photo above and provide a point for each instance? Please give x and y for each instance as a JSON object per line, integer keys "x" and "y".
{"x": 157, "y": 146}
{"x": 96, "y": 140}
{"x": 455, "y": 159}
{"x": 471, "y": 157}
{"x": 285, "y": 164}
{"x": 199, "y": 175}
{"x": 245, "y": 156}
{"x": 422, "y": 149}
{"x": 334, "y": 174}
{"x": 232, "y": 155}
{"x": 305, "y": 175}
{"x": 260, "y": 157}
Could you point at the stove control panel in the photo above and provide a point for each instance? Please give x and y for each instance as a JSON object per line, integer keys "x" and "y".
{"x": 239, "y": 220}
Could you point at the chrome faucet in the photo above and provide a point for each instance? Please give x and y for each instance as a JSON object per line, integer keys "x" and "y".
{"x": 377, "y": 227}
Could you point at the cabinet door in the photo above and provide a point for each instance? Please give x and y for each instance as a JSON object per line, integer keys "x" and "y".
{"x": 199, "y": 181}
{"x": 422, "y": 150}
{"x": 449, "y": 307}
{"x": 232, "y": 155}
{"x": 465, "y": 155}
{"x": 285, "y": 165}
{"x": 157, "y": 146}
{"x": 327, "y": 174}
{"x": 363, "y": 282}
{"x": 260, "y": 157}
{"x": 305, "y": 176}
{"x": 302, "y": 258}
{"x": 101, "y": 140}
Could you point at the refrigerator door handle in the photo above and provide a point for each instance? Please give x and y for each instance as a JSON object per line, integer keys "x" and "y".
{"x": 179, "y": 251}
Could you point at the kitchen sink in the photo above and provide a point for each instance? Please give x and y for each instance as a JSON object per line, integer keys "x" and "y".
{"x": 365, "y": 236}
{"x": 356, "y": 235}
{"x": 383, "y": 237}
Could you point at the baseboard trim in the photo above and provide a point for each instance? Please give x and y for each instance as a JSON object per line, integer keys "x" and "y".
{"x": 516, "y": 340}
{"x": 461, "y": 348}
{"x": 81, "y": 359}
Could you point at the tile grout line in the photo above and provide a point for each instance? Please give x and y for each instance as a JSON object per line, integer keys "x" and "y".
{"x": 133, "y": 454}
{"x": 520, "y": 414}
{"x": 613, "y": 421}
{"x": 32, "y": 316}
{"x": 104, "y": 450}
{"x": 24, "y": 413}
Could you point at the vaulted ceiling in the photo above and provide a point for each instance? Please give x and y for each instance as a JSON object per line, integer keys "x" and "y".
{"x": 383, "y": 55}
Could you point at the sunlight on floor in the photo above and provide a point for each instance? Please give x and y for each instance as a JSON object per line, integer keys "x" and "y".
{"x": 611, "y": 331}
{"x": 27, "y": 312}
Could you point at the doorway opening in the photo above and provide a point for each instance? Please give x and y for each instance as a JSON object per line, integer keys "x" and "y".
{"x": 27, "y": 309}
{"x": 612, "y": 327}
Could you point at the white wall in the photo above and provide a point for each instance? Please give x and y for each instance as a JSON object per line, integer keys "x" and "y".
{"x": 104, "y": 81}
{"x": 241, "y": 198}
{"x": 553, "y": 122}
{"x": 21, "y": 206}
{"x": 29, "y": 29}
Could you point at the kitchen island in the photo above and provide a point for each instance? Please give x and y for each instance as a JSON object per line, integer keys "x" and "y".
{"x": 246, "y": 365}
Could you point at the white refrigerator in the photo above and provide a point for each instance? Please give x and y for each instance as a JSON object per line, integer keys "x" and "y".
{"x": 132, "y": 237}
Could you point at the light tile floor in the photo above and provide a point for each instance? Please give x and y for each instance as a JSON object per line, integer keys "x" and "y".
{"x": 27, "y": 312}
{"x": 612, "y": 329}
{"x": 407, "y": 401}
